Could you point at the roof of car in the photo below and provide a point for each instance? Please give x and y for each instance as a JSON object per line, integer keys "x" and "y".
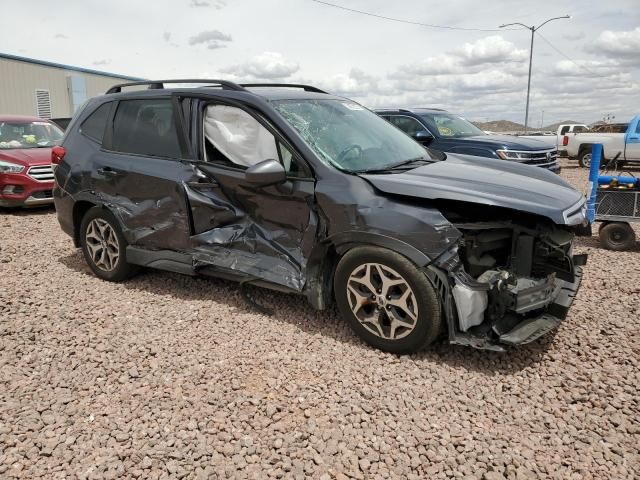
{"x": 290, "y": 94}
{"x": 269, "y": 91}
{"x": 21, "y": 118}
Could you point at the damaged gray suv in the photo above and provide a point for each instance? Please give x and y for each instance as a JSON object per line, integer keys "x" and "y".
{"x": 291, "y": 188}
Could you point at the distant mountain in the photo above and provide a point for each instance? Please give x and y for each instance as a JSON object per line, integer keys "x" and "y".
{"x": 509, "y": 126}
{"x": 500, "y": 126}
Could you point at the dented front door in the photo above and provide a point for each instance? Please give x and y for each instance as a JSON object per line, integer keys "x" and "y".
{"x": 263, "y": 232}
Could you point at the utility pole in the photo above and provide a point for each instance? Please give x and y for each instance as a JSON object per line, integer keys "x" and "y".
{"x": 533, "y": 31}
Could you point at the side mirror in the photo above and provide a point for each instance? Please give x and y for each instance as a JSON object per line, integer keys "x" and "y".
{"x": 423, "y": 136}
{"x": 268, "y": 172}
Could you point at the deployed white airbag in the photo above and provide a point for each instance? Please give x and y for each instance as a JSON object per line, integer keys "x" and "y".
{"x": 470, "y": 304}
{"x": 238, "y": 136}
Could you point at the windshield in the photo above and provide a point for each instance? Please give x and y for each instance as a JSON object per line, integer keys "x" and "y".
{"x": 15, "y": 135}
{"x": 448, "y": 125}
{"x": 348, "y": 136}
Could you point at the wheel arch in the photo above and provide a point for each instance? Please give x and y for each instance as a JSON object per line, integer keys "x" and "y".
{"x": 324, "y": 259}
{"x": 80, "y": 209}
{"x": 583, "y": 147}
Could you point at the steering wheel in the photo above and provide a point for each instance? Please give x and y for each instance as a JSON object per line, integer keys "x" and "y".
{"x": 345, "y": 151}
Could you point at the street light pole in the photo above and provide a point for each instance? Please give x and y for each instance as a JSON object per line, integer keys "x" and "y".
{"x": 533, "y": 31}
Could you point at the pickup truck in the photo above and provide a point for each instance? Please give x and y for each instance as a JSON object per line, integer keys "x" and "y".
{"x": 625, "y": 144}
{"x": 562, "y": 135}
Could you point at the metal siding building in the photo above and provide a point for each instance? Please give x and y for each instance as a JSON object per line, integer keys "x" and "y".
{"x": 49, "y": 90}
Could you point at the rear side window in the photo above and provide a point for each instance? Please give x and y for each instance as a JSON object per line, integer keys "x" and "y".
{"x": 146, "y": 127}
{"x": 408, "y": 125}
{"x": 93, "y": 127}
{"x": 565, "y": 129}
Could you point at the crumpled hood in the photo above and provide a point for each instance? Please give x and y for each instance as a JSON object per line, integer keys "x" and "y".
{"x": 509, "y": 142}
{"x": 27, "y": 156}
{"x": 490, "y": 182}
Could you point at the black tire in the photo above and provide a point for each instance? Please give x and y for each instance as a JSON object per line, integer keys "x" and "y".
{"x": 584, "y": 158}
{"x": 617, "y": 236}
{"x": 428, "y": 323}
{"x": 121, "y": 270}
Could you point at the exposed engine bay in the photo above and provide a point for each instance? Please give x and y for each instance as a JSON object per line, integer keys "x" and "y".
{"x": 513, "y": 277}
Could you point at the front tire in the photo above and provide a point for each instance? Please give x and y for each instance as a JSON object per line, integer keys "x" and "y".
{"x": 103, "y": 245}
{"x": 387, "y": 300}
{"x": 617, "y": 236}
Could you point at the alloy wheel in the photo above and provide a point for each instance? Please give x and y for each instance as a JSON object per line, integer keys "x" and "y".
{"x": 382, "y": 301}
{"x": 102, "y": 244}
{"x": 586, "y": 160}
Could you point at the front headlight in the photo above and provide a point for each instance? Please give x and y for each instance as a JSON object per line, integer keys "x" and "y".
{"x": 8, "y": 167}
{"x": 509, "y": 155}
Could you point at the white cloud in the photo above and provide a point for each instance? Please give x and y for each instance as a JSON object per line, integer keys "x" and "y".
{"x": 582, "y": 68}
{"x": 621, "y": 45}
{"x": 211, "y": 38}
{"x": 492, "y": 49}
{"x": 217, "y": 4}
{"x": 469, "y": 58}
{"x": 376, "y": 61}
{"x": 266, "y": 66}
{"x": 442, "y": 64}
{"x": 355, "y": 84}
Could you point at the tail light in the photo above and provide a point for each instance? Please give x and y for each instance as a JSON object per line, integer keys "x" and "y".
{"x": 57, "y": 154}
{"x": 565, "y": 140}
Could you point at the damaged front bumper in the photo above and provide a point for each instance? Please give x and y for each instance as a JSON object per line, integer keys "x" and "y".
{"x": 533, "y": 311}
{"x": 532, "y": 328}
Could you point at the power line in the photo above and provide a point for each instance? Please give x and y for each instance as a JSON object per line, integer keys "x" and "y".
{"x": 410, "y": 22}
{"x": 569, "y": 58}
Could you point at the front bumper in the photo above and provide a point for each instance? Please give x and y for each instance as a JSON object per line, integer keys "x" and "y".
{"x": 530, "y": 328}
{"x": 21, "y": 190}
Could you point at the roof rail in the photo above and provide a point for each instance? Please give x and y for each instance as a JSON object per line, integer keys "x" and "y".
{"x": 306, "y": 88}
{"x": 159, "y": 84}
{"x": 431, "y": 108}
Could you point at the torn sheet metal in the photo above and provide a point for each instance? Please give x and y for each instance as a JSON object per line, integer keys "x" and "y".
{"x": 266, "y": 233}
{"x": 159, "y": 223}
{"x": 353, "y": 205}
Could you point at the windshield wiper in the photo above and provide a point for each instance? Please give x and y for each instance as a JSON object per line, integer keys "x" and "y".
{"x": 404, "y": 165}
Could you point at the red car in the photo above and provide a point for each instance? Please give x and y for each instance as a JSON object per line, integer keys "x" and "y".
{"x": 26, "y": 177}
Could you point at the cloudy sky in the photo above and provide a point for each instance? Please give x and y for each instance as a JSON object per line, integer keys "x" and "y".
{"x": 583, "y": 68}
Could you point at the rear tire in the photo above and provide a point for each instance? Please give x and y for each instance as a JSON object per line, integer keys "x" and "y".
{"x": 617, "y": 236}
{"x": 584, "y": 158}
{"x": 387, "y": 300}
{"x": 104, "y": 246}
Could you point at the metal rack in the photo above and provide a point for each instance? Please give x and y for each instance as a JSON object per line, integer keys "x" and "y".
{"x": 223, "y": 84}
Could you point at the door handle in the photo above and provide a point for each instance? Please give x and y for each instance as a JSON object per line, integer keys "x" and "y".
{"x": 107, "y": 172}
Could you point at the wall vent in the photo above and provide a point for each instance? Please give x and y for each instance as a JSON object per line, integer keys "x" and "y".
{"x": 43, "y": 103}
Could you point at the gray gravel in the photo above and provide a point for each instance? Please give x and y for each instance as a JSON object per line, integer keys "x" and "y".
{"x": 171, "y": 377}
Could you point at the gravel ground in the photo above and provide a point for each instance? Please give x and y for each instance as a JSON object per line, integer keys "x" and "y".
{"x": 172, "y": 377}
